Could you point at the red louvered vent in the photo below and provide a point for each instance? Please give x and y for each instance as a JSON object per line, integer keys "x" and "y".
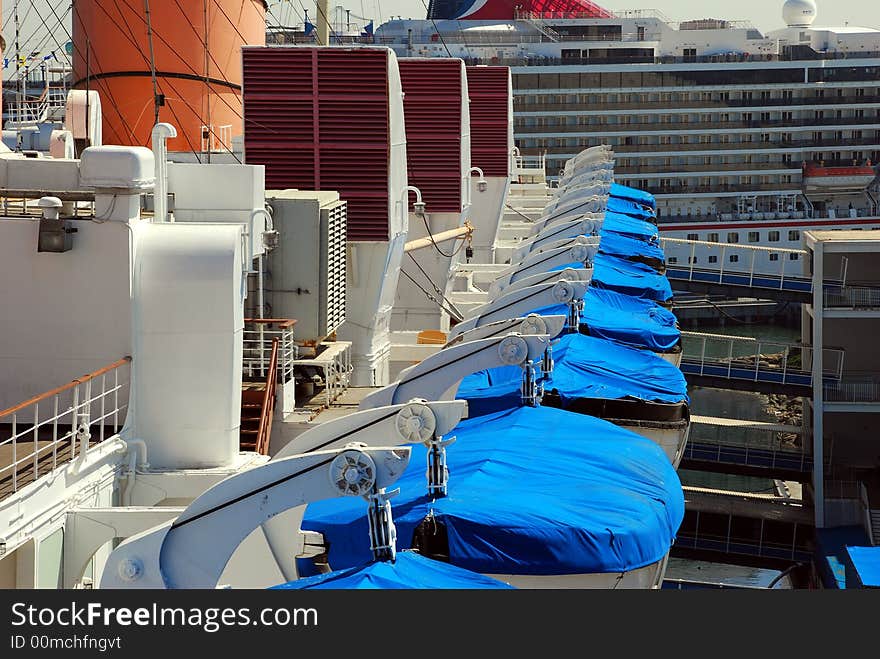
{"x": 489, "y": 91}
{"x": 317, "y": 118}
{"x": 432, "y": 109}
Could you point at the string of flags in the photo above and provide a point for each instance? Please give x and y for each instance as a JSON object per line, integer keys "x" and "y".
{"x": 36, "y": 56}
{"x": 29, "y": 59}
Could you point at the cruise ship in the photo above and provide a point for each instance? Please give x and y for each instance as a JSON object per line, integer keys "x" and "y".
{"x": 744, "y": 137}
{"x": 209, "y": 343}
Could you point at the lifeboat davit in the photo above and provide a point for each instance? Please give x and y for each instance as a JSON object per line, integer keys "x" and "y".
{"x": 819, "y": 177}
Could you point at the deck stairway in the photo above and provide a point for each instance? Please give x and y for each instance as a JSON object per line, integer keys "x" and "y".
{"x": 874, "y": 514}
{"x": 258, "y": 407}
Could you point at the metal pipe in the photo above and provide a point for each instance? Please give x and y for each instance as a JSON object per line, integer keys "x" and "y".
{"x": 260, "y": 287}
{"x": 436, "y": 238}
{"x": 160, "y": 134}
{"x": 137, "y": 454}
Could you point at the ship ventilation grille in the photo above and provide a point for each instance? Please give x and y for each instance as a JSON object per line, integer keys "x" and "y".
{"x": 334, "y": 218}
{"x": 306, "y": 272}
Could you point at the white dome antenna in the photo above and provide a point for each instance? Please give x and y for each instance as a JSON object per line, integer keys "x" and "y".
{"x": 799, "y": 13}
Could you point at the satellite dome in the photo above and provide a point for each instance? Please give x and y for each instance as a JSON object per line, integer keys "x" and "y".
{"x": 799, "y": 13}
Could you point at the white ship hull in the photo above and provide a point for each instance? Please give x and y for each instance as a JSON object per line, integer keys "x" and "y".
{"x": 644, "y": 578}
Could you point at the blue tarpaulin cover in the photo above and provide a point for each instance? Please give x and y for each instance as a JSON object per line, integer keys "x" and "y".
{"x": 634, "y": 321}
{"x": 630, "y": 208}
{"x": 626, "y": 247}
{"x": 633, "y": 194}
{"x": 533, "y": 490}
{"x": 866, "y": 561}
{"x": 409, "y": 570}
{"x": 630, "y": 278}
{"x": 585, "y": 367}
{"x": 629, "y": 226}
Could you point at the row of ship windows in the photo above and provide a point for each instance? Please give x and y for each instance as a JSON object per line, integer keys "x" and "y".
{"x": 733, "y": 258}
{"x": 527, "y": 94}
{"x": 814, "y": 138}
{"x": 684, "y": 118}
{"x": 752, "y": 237}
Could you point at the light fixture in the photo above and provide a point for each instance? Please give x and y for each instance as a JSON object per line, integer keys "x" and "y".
{"x": 481, "y": 182}
{"x": 54, "y": 234}
{"x": 418, "y": 204}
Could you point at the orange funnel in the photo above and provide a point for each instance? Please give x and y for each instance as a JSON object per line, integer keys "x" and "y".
{"x": 198, "y": 87}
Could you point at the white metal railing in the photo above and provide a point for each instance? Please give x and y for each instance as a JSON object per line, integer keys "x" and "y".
{"x": 778, "y": 455}
{"x": 257, "y": 349}
{"x": 528, "y": 164}
{"x": 216, "y": 137}
{"x": 773, "y": 274}
{"x": 60, "y": 425}
{"x": 36, "y": 110}
{"x": 853, "y": 297}
{"x": 334, "y": 362}
{"x": 745, "y": 357}
{"x": 853, "y": 389}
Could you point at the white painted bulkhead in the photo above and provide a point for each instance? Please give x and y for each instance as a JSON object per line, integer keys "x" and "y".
{"x": 188, "y": 295}
{"x": 374, "y": 267}
{"x": 412, "y": 308}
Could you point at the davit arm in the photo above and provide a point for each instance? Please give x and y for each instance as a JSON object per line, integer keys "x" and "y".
{"x": 192, "y": 551}
{"x": 523, "y": 301}
{"x": 436, "y": 377}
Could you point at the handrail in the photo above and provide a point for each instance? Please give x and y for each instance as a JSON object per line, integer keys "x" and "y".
{"x": 70, "y": 385}
{"x": 57, "y": 426}
{"x": 268, "y": 408}
{"x": 283, "y": 323}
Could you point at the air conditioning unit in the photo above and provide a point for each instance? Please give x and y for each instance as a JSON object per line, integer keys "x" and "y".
{"x": 305, "y": 273}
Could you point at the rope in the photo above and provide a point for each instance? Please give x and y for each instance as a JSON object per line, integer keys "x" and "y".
{"x": 436, "y": 30}
{"x": 434, "y": 242}
{"x": 518, "y": 213}
{"x": 457, "y": 314}
{"x": 433, "y": 299}
{"x": 779, "y": 309}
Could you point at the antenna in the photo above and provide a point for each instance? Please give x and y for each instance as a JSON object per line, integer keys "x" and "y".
{"x": 207, "y": 89}
{"x": 88, "y": 76}
{"x": 18, "y": 94}
{"x": 156, "y": 100}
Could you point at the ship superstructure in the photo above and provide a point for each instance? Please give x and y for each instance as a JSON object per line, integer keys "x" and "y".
{"x": 744, "y": 137}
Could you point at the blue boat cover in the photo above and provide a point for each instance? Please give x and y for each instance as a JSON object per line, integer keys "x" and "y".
{"x": 409, "y": 570}
{"x": 617, "y": 317}
{"x": 629, "y": 226}
{"x": 626, "y": 247}
{"x": 866, "y": 561}
{"x": 630, "y": 208}
{"x": 630, "y": 278}
{"x": 633, "y": 194}
{"x": 584, "y": 367}
{"x": 533, "y": 490}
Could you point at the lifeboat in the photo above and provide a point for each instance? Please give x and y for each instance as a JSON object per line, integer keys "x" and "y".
{"x": 820, "y": 177}
{"x": 537, "y": 498}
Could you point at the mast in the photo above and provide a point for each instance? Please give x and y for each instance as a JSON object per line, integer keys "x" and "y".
{"x": 18, "y": 91}
{"x": 323, "y": 23}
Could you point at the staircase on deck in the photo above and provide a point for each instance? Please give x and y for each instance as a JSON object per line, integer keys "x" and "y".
{"x": 266, "y": 342}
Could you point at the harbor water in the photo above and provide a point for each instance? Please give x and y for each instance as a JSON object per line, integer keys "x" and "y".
{"x": 736, "y": 405}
